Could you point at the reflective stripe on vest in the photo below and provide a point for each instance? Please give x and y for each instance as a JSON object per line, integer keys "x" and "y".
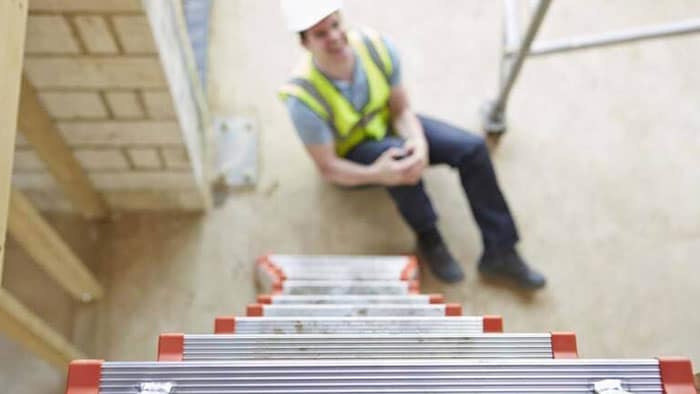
{"x": 350, "y": 126}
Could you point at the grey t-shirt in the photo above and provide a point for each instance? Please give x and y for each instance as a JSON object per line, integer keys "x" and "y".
{"x": 311, "y": 128}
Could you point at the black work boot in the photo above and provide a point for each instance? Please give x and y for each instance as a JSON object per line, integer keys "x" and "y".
{"x": 434, "y": 253}
{"x": 508, "y": 264}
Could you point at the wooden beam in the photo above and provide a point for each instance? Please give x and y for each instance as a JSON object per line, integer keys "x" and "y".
{"x": 36, "y": 125}
{"x": 25, "y": 327}
{"x": 45, "y": 246}
{"x": 16, "y": 320}
{"x": 13, "y": 21}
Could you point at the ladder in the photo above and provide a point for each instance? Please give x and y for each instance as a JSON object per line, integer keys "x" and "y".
{"x": 358, "y": 324}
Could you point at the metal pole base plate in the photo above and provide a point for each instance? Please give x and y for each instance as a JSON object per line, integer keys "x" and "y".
{"x": 492, "y": 120}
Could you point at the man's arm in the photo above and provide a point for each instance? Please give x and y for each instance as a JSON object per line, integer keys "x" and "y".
{"x": 318, "y": 140}
{"x": 405, "y": 122}
{"x": 386, "y": 170}
{"x": 390, "y": 168}
{"x": 407, "y": 125}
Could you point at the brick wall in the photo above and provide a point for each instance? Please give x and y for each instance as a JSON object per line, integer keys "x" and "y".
{"x": 103, "y": 79}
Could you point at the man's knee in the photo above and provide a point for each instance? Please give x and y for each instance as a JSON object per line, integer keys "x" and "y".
{"x": 480, "y": 146}
{"x": 369, "y": 151}
{"x": 473, "y": 149}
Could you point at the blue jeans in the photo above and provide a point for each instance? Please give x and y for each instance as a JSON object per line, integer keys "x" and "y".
{"x": 468, "y": 154}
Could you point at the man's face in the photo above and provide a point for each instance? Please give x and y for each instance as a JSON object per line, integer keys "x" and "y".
{"x": 327, "y": 38}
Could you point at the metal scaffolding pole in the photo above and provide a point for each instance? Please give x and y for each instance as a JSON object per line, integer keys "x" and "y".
{"x": 493, "y": 112}
{"x": 619, "y": 37}
{"x": 516, "y": 50}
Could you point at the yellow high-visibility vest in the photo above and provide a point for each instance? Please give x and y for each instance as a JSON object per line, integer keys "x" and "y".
{"x": 349, "y": 126}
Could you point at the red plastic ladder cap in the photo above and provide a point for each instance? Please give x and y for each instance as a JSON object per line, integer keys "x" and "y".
{"x": 453, "y": 310}
{"x": 493, "y": 323}
{"x": 677, "y": 375}
{"x": 265, "y": 299}
{"x": 254, "y": 310}
{"x": 225, "y": 325}
{"x": 409, "y": 270}
{"x": 436, "y": 299}
{"x": 564, "y": 345}
{"x": 84, "y": 377}
{"x": 171, "y": 347}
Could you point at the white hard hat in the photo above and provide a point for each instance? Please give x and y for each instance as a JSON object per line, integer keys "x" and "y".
{"x": 303, "y": 14}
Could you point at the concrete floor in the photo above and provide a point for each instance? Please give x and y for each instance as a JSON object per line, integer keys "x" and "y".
{"x": 600, "y": 167}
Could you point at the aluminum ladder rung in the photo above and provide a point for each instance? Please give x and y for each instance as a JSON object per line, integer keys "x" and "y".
{"x": 358, "y": 325}
{"x": 390, "y": 266}
{"x": 349, "y": 310}
{"x": 347, "y": 287}
{"x": 672, "y": 376}
{"x": 180, "y": 347}
{"x": 410, "y": 299}
{"x": 272, "y": 269}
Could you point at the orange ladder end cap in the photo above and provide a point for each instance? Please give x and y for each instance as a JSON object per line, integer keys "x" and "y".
{"x": 564, "y": 345}
{"x": 409, "y": 270}
{"x": 171, "y": 347}
{"x": 84, "y": 377}
{"x": 254, "y": 310}
{"x": 274, "y": 268}
{"x": 272, "y": 272}
{"x": 265, "y": 299}
{"x": 436, "y": 299}
{"x": 493, "y": 323}
{"x": 677, "y": 375}
{"x": 225, "y": 325}
{"x": 280, "y": 274}
{"x": 453, "y": 310}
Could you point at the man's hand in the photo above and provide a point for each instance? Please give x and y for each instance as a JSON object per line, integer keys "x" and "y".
{"x": 419, "y": 150}
{"x": 399, "y": 166}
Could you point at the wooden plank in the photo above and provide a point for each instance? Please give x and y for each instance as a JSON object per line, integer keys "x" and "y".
{"x": 45, "y": 246}
{"x": 36, "y": 125}
{"x": 25, "y": 327}
{"x": 13, "y": 20}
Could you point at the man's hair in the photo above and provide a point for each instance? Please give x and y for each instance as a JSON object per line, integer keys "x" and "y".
{"x": 302, "y": 35}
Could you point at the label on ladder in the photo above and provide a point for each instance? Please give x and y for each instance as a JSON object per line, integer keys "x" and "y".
{"x": 156, "y": 388}
{"x": 609, "y": 386}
